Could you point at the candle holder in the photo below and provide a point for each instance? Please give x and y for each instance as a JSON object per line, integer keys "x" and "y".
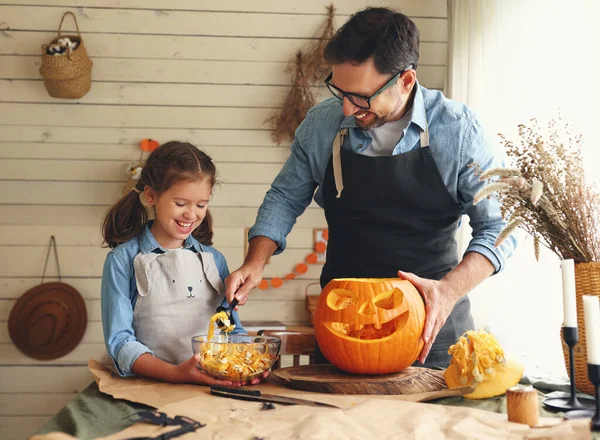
{"x": 572, "y": 402}
{"x": 594, "y": 376}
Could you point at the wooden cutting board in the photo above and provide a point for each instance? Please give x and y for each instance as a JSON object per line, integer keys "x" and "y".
{"x": 329, "y": 379}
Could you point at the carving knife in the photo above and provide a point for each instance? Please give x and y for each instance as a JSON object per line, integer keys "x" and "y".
{"x": 257, "y": 396}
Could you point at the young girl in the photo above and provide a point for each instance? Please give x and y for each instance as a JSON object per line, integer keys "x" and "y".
{"x": 162, "y": 281}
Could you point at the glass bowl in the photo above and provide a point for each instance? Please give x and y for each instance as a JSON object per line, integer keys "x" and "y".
{"x": 236, "y": 357}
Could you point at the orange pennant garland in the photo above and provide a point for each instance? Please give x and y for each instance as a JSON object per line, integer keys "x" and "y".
{"x": 300, "y": 268}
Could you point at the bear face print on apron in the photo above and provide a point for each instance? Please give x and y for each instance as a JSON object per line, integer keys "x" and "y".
{"x": 178, "y": 292}
{"x": 391, "y": 213}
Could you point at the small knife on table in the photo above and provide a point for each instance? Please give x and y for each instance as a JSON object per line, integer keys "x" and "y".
{"x": 257, "y": 396}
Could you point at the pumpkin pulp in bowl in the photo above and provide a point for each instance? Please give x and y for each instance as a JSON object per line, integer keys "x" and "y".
{"x": 236, "y": 357}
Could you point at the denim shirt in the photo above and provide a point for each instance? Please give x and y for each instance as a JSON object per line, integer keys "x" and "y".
{"x": 119, "y": 295}
{"x": 456, "y": 140}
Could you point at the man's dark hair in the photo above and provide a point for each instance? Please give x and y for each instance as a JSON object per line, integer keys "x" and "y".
{"x": 391, "y": 38}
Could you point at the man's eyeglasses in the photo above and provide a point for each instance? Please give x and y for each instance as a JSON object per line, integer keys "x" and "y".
{"x": 363, "y": 102}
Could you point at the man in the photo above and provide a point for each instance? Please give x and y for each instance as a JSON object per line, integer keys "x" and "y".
{"x": 391, "y": 164}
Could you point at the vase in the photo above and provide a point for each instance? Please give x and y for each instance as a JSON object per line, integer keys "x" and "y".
{"x": 587, "y": 282}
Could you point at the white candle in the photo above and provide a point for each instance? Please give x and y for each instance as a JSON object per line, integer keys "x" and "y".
{"x": 568, "y": 285}
{"x": 591, "y": 313}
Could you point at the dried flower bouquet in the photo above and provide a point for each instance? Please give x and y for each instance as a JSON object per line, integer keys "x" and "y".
{"x": 546, "y": 194}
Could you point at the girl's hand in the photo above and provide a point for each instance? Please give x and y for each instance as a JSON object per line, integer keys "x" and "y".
{"x": 188, "y": 372}
{"x": 258, "y": 380}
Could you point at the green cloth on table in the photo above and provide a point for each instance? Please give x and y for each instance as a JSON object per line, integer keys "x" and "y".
{"x": 91, "y": 414}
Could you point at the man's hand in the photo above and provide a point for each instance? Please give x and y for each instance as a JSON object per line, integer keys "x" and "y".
{"x": 241, "y": 282}
{"x": 441, "y": 296}
{"x": 439, "y": 303}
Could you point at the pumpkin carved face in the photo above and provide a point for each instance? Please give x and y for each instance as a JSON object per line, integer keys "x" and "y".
{"x": 370, "y": 325}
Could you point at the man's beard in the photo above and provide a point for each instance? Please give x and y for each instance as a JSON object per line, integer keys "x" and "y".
{"x": 379, "y": 121}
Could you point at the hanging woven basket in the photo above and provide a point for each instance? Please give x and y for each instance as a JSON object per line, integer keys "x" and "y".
{"x": 67, "y": 75}
{"x": 587, "y": 282}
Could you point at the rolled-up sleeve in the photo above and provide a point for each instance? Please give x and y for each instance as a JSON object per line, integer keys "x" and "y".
{"x": 485, "y": 218}
{"x": 117, "y": 315}
{"x": 290, "y": 194}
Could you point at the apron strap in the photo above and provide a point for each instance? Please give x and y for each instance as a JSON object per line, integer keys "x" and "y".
{"x": 337, "y": 161}
{"x": 425, "y": 136}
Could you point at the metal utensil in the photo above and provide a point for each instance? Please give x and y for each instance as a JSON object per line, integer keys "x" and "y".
{"x": 257, "y": 396}
{"x": 228, "y": 311}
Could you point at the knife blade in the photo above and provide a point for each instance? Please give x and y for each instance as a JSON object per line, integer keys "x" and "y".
{"x": 257, "y": 396}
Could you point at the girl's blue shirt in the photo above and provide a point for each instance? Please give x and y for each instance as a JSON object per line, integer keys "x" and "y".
{"x": 119, "y": 295}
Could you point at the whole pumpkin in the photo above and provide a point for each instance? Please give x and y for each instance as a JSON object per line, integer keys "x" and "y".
{"x": 370, "y": 325}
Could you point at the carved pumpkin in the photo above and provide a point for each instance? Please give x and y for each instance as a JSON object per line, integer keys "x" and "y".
{"x": 478, "y": 359}
{"x": 370, "y": 325}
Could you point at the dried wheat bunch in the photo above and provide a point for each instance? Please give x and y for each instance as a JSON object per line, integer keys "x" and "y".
{"x": 297, "y": 103}
{"x": 315, "y": 66}
{"x": 545, "y": 194}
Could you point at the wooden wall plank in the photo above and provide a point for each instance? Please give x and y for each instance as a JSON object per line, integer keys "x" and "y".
{"x": 173, "y": 46}
{"x": 80, "y": 355}
{"x": 191, "y": 95}
{"x": 44, "y": 380}
{"x": 420, "y": 8}
{"x": 59, "y": 170}
{"x": 130, "y": 153}
{"x": 99, "y": 193}
{"x": 172, "y": 22}
{"x": 260, "y": 136}
{"x": 37, "y": 404}
{"x": 86, "y": 214}
{"x": 89, "y": 287}
{"x": 28, "y": 261}
{"x": 188, "y": 95}
{"x": 135, "y": 116}
{"x": 83, "y": 235}
{"x": 194, "y": 71}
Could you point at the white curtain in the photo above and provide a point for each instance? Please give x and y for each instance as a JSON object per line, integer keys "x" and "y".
{"x": 510, "y": 61}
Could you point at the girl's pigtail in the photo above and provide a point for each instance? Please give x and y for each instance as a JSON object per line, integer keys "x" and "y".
{"x": 125, "y": 220}
{"x": 204, "y": 232}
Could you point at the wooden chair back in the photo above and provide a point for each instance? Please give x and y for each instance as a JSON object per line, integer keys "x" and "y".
{"x": 295, "y": 343}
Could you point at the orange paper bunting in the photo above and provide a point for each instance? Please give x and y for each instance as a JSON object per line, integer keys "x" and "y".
{"x": 320, "y": 247}
{"x": 300, "y": 269}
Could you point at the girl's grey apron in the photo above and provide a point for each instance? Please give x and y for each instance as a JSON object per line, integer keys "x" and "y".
{"x": 178, "y": 292}
{"x": 389, "y": 213}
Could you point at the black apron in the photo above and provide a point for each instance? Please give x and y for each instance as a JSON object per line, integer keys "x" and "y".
{"x": 393, "y": 213}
